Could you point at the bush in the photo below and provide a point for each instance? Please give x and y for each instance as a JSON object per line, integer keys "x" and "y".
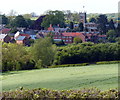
{"x": 46, "y": 94}
{"x": 108, "y": 62}
{"x": 68, "y": 65}
{"x": 87, "y": 53}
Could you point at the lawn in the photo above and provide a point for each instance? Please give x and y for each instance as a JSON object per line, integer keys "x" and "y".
{"x": 100, "y": 76}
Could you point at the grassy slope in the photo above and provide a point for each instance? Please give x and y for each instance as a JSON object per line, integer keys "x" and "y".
{"x": 100, "y": 76}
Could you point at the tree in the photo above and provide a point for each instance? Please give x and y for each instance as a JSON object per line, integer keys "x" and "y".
{"x": 19, "y": 21}
{"x": 27, "y": 16}
{"x": 92, "y": 19}
{"x": 43, "y": 52}
{"x": 71, "y": 25}
{"x": 77, "y": 40}
{"x": 102, "y": 21}
{"x": 3, "y": 19}
{"x": 111, "y": 35}
{"x": 81, "y": 27}
{"x": 111, "y": 25}
{"x": 53, "y": 17}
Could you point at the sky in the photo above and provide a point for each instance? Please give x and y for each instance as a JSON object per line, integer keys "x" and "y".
{"x": 40, "y": 6}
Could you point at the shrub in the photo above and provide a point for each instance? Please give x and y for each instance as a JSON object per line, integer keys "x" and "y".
{"x": 69, "y": 65}
{"x": 46, "y": 94}
{"x": 108, "y": 62}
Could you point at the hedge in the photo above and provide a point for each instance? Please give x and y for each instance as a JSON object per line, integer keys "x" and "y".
{"x": 69, "y": 65}
{"x": 46, "y": 94}
{"x": 108, "y": 62}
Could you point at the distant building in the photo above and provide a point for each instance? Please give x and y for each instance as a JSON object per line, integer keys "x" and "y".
{"x": 22, "y": 40}
{"x": 5, "y": 38}
{"x": 56, "y": 28}
{"x": 5, "y": 30}
{"x": 91, "y": 27}
{"x": 68, "y": 37}
{"x": 83, "y": 17}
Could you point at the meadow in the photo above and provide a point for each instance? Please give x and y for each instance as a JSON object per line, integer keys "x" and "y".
{"x": 101, "y": 76}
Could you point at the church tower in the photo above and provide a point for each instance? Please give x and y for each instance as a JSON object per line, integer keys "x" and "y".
{"x": 83, "y": 17}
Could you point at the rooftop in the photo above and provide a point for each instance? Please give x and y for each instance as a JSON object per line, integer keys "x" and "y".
{"x": 21, "y": 38}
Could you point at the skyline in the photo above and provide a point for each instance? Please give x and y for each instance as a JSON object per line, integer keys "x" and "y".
{"x": 39, "y": 6}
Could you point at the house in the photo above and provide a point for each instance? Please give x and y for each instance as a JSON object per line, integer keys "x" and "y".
{"x": 50, "y": 28}
{"x": 68, "y": 37}
{"x": 57, "y": 28}
{"x": 102, "y": 38}
{"x": 22, "y": 40}
{"x": 5, "y": 38}
{"x": 91, "y": 27}
{"x": 5, "y": 31}
{"x": 91, "y": 37}
{"x": 26, "y": 35}
{"x": 33, "y": 37}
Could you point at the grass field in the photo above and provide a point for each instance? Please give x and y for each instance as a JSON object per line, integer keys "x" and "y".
{"x": 100, "y": 76}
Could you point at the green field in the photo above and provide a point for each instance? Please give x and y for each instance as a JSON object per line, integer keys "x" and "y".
{"x": 100, "y": 76}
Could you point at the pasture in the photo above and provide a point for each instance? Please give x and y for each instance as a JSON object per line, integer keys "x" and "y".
{"x": 101, "y": 76}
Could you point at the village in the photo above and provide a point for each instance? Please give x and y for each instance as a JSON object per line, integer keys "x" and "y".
{"x": 89, "y": 33}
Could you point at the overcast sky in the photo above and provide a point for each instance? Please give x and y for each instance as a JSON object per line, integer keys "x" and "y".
{"x": 40, "y": 6}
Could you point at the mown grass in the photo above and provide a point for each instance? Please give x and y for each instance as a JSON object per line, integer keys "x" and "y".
{"x": 101, "y": 76}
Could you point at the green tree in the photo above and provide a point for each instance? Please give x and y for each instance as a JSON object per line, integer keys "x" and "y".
{"x": 111, "y": 35}
{"x": 111, "y": 25}
{"x": 43, "y": 52}
{"x": 20, "y": 21}
{"x": 54, "y": 18}
{"x": 71, "y": 25}
{"x": 77, "y": 40}
{"x": 92, "y": 19}
{"x": 81, "y": 27}
{"x": 102, "y": 21}
{"x": 3, "y": 19}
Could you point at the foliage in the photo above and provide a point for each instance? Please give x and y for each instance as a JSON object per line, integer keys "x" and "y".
{"x": 111, "y": 35}
{"x": 87, "y": 52}
{"x": 43, "y": 52}
{"x": 108, "y": 62}
{"x": 102, "y": 21}
{"x": 3, "y": 19}
{"x": 77, "y": 40}
{"x": 68, "y": 65}
{"x": 15, "y": 57}
{"x": 71, "y": 25}
{"x": 53, "y": 17}
{"x": 91, "y": 93}
{"x": 92, "y": 19}
{"x": 81, "y": 27}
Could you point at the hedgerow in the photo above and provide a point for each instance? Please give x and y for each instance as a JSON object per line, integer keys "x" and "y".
{"x": 46, "y": 94}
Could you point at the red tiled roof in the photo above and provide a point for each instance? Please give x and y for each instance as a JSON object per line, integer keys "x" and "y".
{"x": 5, "y": 30}
{"x": 71, "y": 34}
{"x": 101, "y": 35}
{"x": 80, "y": 35}
{"x": 27, "y": 35}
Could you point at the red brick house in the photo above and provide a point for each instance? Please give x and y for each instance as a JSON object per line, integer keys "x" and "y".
{"x": 68, "y": 37}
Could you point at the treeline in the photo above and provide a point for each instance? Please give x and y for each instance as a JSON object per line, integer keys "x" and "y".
{"x": 87, "y": 53}
{"x": 43, "y": 54}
